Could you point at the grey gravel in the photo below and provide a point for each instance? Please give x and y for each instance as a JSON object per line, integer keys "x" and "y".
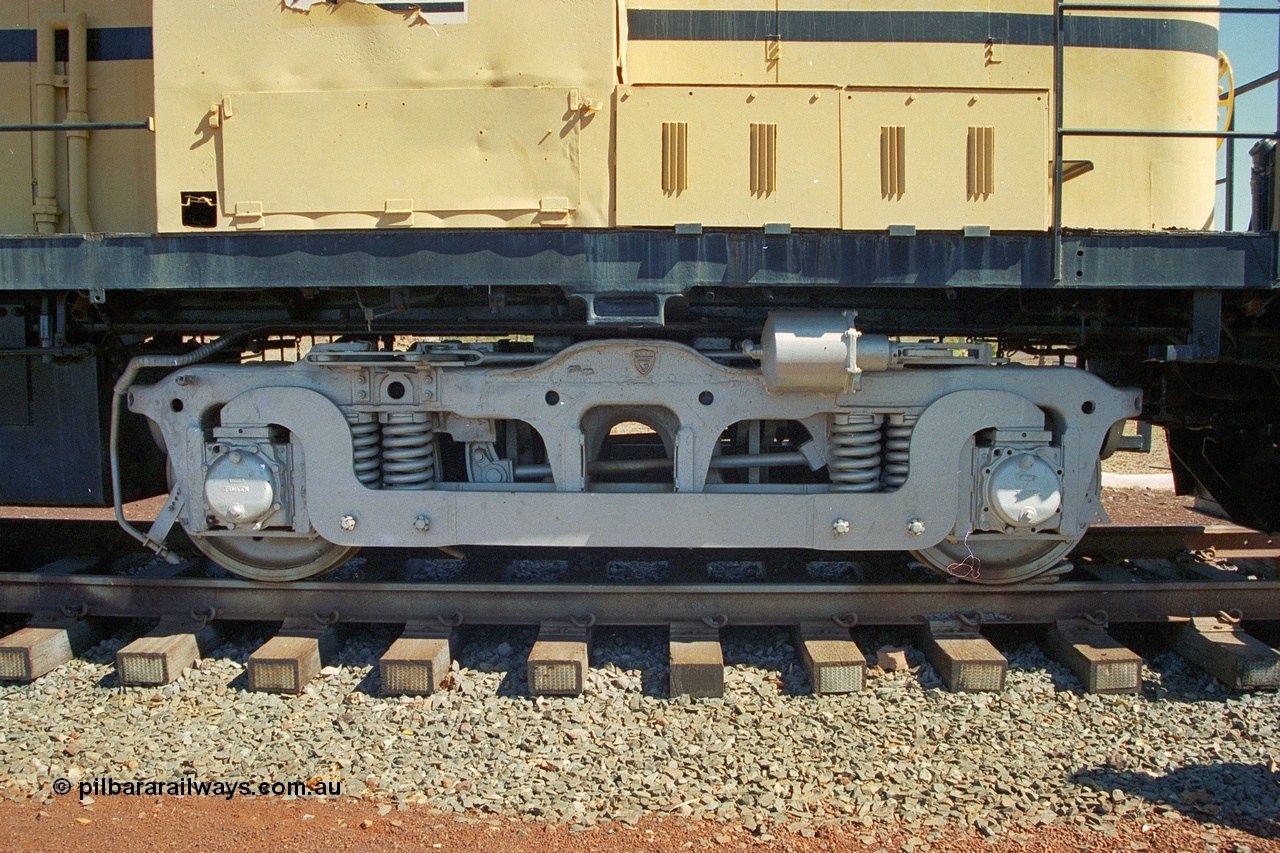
{"x": 540, "y": 571}
{"x": 834, "y": 570}
{"x": 735, "y": 571}
{"x": 434, "y": 570}
{"x": 636, "y": 571}
{"x": 769, "y": 755}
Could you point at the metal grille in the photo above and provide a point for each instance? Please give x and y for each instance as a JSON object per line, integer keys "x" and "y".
{"x": 14, "y": 665}
{"x": 407, "y": 677}
{"x": 980, "y": 676}
{"x": 675, "y": 156}
{"x": 840, "y": 678}
{"x": 142, "y": 669}
{"x": 555, "y": 678}
{"x": 764, "y": 159}
{"x": 982, "y": 161}
{"x": 893, "y": 161}
{"x": 281, "y": 676}
{"x": 1116, "y": 676}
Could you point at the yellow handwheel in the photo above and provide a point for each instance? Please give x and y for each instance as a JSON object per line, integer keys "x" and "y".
{"x": 1224, "y": 70}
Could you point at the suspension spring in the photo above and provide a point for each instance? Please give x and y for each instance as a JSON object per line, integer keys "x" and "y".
{"x": 366, "y": 440}
{"x": 855, "y": 452}
{"x": 897, "y": 449}
{"x": 408, "y": 451}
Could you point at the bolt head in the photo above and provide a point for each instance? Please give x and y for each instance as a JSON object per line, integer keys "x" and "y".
{"x": 840, "y": 526}
{"x": 1028, "y": 514}
{"x": 422, "y": 523}
{"x": 347, "y": 522}
{"x": 915, "y": 527}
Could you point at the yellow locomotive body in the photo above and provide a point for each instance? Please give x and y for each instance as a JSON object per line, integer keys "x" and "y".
{"x": 562, "y": 113}
{"x": 793, "y": 245}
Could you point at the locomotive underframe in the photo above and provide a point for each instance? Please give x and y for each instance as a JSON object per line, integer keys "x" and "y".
{"x": 1131, "y": 308}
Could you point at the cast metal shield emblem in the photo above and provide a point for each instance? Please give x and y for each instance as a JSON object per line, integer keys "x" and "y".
{"x": 644, "y": 360}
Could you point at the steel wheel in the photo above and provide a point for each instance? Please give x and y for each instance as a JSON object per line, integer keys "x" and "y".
{"x": 274, "y": 559}
{"x": 997, "y": 558}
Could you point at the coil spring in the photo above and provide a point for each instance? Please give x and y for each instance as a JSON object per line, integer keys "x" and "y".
{"x": 366, "y": 440}
{"x": 897, "y": 449}
{"x": 855, "y": 452}
{"x": 408, "y": 453}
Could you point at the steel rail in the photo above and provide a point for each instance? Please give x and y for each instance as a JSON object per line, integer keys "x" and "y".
{"x": 632, "y": 604}
{"x": 1100, "y": 541}
{"x": 1164, "y": 541}
{"x": 760, "y": 603}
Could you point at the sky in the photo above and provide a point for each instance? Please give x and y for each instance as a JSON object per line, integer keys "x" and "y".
{"x": 1250, "y": 42}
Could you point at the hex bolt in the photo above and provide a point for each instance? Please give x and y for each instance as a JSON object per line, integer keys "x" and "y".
{"x": 915, "y": 527}
{"x": 422, "y": 523}
{"x": 1028, "y": 515}
{"x": 347, "y": 522}
{"x": 840, "y": 526}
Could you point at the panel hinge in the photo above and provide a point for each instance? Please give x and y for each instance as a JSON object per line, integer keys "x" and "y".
{"x": 553, "y": 211}
{"x": 248, "y": 215}
{"x": 397, "y": 213}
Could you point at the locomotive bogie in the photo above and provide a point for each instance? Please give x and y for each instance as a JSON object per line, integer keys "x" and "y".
{"x": 903, "y": 457}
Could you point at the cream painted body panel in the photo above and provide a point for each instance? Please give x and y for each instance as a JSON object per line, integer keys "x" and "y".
{"x": 1140, "y": 183}
{"x": 546, "y": 113}
{"x": 701, "y": 61}
{"x": 719, "y": 151}
{"x": 500, "y": 150}
{"x": 122, "y": 164}
{"x": 122, "y": 169}
{"x": 924, "y": 65}
{"x": 936, "y": 192}
{"x": 16, "y": 94}
{"x": 352, "y": 48}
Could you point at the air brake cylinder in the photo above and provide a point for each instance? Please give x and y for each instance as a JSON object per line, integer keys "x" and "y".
{"x": 817, "y": 351}
{"x": 822, "y": 351}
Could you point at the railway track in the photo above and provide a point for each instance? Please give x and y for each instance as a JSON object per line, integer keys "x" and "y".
{"x": 1209, "y": 579}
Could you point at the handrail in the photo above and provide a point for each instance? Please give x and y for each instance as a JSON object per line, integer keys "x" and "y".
{"x": 1230, "y": 134}
{"x": 79, "y": 125}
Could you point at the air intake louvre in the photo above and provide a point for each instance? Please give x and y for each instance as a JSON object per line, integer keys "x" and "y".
{"x": 764, "y": 159}
{"x": 982, "y": 162}
{"x": 675, "y": 156}
{"x": 893, "y": 161}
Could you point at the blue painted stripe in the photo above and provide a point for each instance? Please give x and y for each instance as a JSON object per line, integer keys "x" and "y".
{"x": 115, "y": 43}
{"x": 105, "y": 44}
{"x": 109, "y": 44}
{"x": 425, "y": 8}
{"x": 920, "y": 27}
{"x": 17, "y": 45}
